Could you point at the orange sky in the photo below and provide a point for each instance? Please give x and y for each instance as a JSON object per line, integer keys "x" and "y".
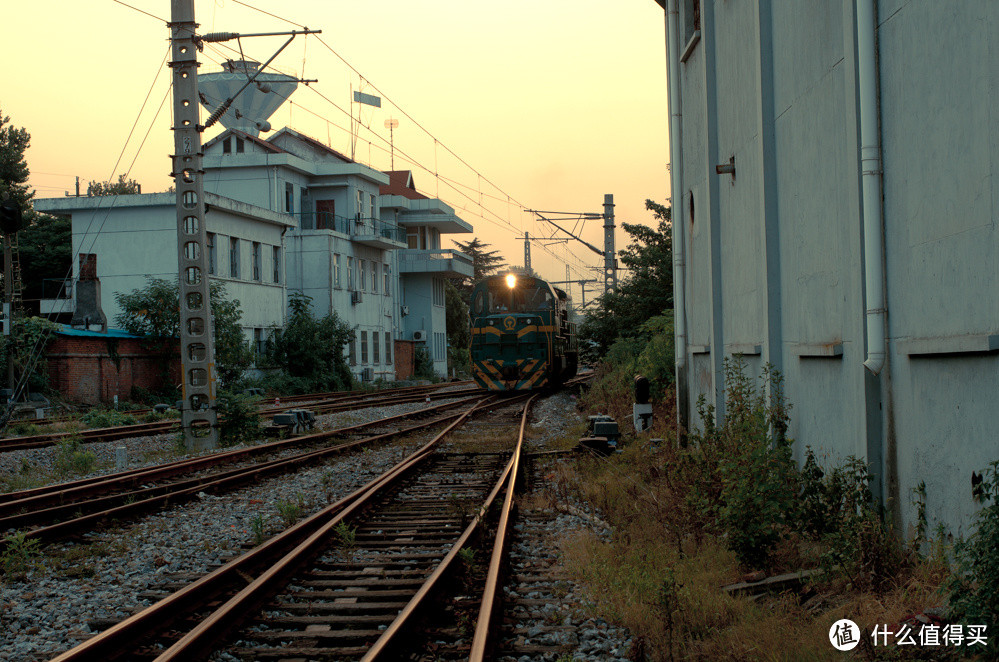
{"x": 553, "y": 102}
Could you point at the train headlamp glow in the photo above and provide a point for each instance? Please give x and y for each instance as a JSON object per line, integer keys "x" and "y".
{"x": 511, "y": 281}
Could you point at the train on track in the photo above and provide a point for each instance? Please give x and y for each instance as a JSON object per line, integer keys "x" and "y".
{"x": 522, "y": 338}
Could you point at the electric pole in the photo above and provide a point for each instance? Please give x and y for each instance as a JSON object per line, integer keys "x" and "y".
{"x": 527, "y": 252}
{"x": 610, "y": 261}
{"x": 197, "y": 342}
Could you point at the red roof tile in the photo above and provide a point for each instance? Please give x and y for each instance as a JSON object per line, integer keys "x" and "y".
{"x": 401, "y": 183}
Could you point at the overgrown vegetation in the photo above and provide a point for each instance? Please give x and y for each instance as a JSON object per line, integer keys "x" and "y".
{"x": 239, "y": 418}
{"x": 309, "y": 352}
{"x": 107, "y": 418}
{"x": 689, "y": 520}
{"x": 974, "y": 585}
{"x": 423, "y": 365}
{"x": 71, "y": 459}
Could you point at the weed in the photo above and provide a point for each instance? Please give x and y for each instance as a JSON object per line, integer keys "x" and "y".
{"x": 467, "y": 557}
{"x": 20, "y": 554}
{"x": 239, "y": 419}
{"x": 346, "y": 535}
{"x": 974, "y": 585}
{"x": 919, "y": 501}
{"x": 289, "y": 512}
{"x": 257, "y": 526}
{"x": 107, "y": 418}
{"x": 327, "y": 483}
{"x": 71, "y": 459}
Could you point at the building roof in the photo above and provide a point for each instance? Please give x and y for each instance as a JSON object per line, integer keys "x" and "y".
{"x": 312, "y": 142}
{"x": 263, "y": 144}
{"x": 67, "y": 330}
{"x": 401, "y": 183}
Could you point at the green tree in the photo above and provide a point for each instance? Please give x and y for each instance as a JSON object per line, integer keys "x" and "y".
{"x": 484, "y": 263}
{"x": 154, "y": 312}
{"x": 647, "y": 291}
{"x": 459, "y": 334}
{"x": 13, "y": 168}
{"x": 44, "y": 252}
{"x": 310, "y": 350}
{"x": 120, "y": 187}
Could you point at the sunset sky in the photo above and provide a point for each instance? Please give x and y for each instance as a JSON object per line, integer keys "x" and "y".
{"x": 551, "y": 104}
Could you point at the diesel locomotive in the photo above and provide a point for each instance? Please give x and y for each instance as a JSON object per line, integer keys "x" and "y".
{"x": 522, "y": 338}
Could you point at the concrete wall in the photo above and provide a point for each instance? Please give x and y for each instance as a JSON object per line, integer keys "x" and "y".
{"x": 775, "y": 265}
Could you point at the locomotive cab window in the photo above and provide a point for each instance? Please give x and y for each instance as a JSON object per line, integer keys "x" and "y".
{"x": 522, "y": 298}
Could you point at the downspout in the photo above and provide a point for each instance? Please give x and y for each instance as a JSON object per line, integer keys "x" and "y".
{"x": 870, "y": 170}
{"x": 676, "y": 203}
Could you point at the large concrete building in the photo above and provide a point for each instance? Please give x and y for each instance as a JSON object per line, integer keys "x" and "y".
{"x": 285, "y": 215}
{"x": 835, "y": 207}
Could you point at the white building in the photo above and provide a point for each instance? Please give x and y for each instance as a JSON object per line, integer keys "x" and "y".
{"x": 135, "y": 236}
{"x": 834, "y": 212}
{"x": 289, "y": 214}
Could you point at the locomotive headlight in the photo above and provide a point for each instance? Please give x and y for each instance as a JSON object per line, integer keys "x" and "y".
{"x": 511, "y": 281}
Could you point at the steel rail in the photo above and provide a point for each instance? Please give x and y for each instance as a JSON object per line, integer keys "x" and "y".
{"x": 333, "y": 405}
{"x": 155, "y": 497}
{"x": 160, "y": 616}
{"x": 487, "y": 615}
{"x": 60, "y": 492}
{"x": 199, "y": 641}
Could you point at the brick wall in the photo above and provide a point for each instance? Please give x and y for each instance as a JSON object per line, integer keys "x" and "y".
{"x": 93, "y": 370}
{"x": 404, "y": 358}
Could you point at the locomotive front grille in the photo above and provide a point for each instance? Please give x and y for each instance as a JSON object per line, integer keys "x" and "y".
{"x": 510, "y": 372}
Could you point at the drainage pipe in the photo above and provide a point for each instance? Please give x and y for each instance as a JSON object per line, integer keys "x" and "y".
{"x": 676, "y": 203}
{"x": 870, "y": 169}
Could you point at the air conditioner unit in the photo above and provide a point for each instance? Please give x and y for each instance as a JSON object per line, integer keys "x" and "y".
{"x": 419, "y": 336}
{"x": 405, "y": 310}
{"x": 368, "y": 375}
{"x": 355, "y": 297}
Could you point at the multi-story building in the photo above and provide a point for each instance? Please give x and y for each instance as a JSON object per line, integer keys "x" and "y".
{"x": 835, "y": 212}
{"x": 285, "y": 215}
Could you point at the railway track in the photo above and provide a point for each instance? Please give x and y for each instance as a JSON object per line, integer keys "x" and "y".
{"x": 351, "y": 581}
{"x": 62, "y": 509}
{"x": 338, "y": 403}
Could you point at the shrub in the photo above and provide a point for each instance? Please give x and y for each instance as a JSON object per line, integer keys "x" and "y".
{"x": 71, "y": 459}
{"x": 974, "y": 584}
{"x": 107, "y": 418}
{"x": 423, "y": 365}
{"x": 239, "y": 419}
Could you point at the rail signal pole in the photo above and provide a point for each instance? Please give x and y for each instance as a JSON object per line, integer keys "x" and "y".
{"x": 610, "y": 259}
{"x": 197, "y": 342}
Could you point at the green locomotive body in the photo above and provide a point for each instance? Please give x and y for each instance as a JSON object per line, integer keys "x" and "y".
{"x": 522, "y": 338}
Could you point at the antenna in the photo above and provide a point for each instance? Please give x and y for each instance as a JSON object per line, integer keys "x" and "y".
{"x": 390, "y": 125}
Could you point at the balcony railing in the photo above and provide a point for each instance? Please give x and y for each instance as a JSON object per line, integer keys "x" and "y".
{"x": 448, "y": 261}
{"x": 354, "y": 227}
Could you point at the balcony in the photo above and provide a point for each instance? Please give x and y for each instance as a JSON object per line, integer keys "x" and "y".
{"x": 444, "y": 262}
{"x": 368, "y": 231}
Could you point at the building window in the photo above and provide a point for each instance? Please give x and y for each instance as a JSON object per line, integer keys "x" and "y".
{"x": 374, "y": 347}
{"x": 360, "y": 197}
{"x": 226, "y": 147}
{"x": 352, "y": 352}
{"x": 259, "y": 342}
{"x": 438, "y": 292}
{"x": 388, "y": 348}
{"x": 350, "y": 273}
{"x": 277, "y": 264}
{"x": 255, "y": 260}
{"x": 387, "y": 270}
{"x": 362, "y": 267}
{"x": 374, "y": 277}
{"x": 239, "y": 145}
{"x": 412, "y": 239}
{"x": 336, "y": 270}
{"x": 289, "y": 197}
{"x": 233, "y": 257}
{"x": 691, "y": 19}
{"x": 374, "y": 209}
{"x": 212, "y": 253}
{"x": 364, "y": 348}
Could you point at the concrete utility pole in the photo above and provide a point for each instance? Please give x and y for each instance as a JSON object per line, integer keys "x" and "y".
{"x": 527, "y": 252}
{"x": 197, "y": 342}
{"x": 610, "y": 261}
